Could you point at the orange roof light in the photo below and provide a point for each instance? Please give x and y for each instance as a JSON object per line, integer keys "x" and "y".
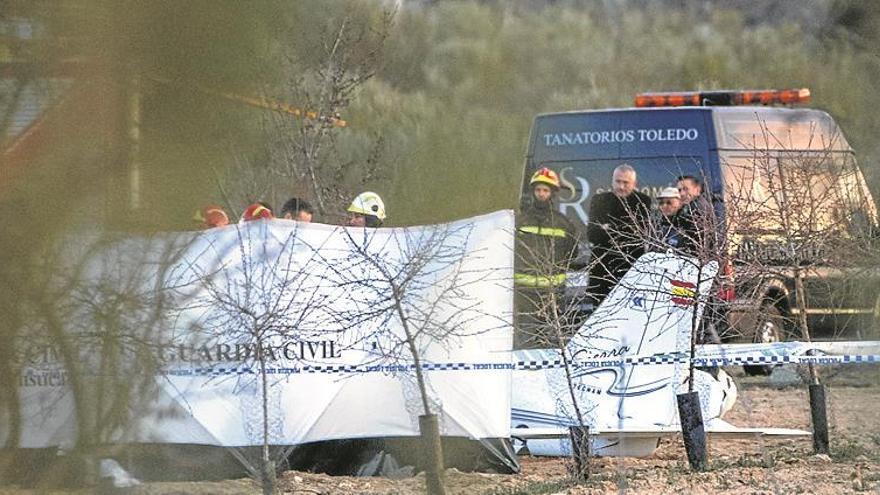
{"x": 723, "y": 98}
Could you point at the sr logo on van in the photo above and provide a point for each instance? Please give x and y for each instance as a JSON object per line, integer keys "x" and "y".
{"x": 571, "y": 200}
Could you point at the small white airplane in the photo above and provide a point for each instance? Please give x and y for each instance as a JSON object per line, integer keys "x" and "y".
{"x": 629, "y": 360}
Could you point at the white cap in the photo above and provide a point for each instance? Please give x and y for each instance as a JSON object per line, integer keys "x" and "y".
{"x": 669, "y": 192}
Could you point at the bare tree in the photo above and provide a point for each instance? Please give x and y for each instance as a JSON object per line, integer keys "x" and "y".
{"x": 20, "y": 90}
{"x": 695, "y": 235}
{"x": 254, "y": 290}
{"x": 547, "y": 317}
{"x": 303, "y": 143}
{"x": 93, "y": 316}
{"x": 802, "y": 213}
{"x": 409, "y": 293}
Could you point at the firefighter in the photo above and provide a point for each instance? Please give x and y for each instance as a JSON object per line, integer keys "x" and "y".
{"x": 366, "y": 210}
{"x": 546, "y": 245}
{"x": 211, "y": 216}
{"x": 257, "y": 211}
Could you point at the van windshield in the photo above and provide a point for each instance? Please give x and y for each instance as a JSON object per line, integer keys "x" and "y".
{"x": 805, "y": 194}
{"x": 581, "y": 180}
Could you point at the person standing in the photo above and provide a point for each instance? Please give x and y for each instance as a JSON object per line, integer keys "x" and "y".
{"x": 211, "y": 216}
{"x": 699, "y": 233}
{"x": 297, "y": 209}
{"x": 666, "y": 222}
{"x": 617, "y": 231}
{"x": 366, "y": 210}
{"x": 697, "y": 219}
{"x": 546, "y": 245}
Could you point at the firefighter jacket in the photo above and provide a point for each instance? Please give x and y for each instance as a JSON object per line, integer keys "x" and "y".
{"x": 546, "y": 244}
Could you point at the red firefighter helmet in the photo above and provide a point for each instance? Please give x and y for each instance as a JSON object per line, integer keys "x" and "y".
{"x": 211, "y": 216}
{"x": 256, "y": 211}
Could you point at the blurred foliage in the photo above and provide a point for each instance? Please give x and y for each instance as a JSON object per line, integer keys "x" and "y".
{"x": 449, "y": 114}
{"x": 467, "y": 78}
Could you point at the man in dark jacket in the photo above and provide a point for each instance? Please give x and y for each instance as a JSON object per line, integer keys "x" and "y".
{"x": 698, "y": 225}
{"x": 665, "y": 220}
{"x": 617, "y": 231}
{"x": 546, "y": 244}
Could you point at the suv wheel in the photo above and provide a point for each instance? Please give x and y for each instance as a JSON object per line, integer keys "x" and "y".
{"x": 770, "y": 329}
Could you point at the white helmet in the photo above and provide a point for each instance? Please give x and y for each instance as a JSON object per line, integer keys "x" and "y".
{"x": 368, "y": 203}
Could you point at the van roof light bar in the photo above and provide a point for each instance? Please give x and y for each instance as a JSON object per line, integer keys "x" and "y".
{"x": 723, "y": 98}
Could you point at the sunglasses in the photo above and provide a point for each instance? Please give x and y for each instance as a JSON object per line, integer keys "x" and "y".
{"x": 666, "y": 201}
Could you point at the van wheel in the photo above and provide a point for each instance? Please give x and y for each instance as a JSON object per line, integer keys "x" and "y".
{"x": 769, "y": 329}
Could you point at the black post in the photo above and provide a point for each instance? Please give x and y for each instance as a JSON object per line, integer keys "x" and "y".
{"x": 692, "y": 430}
{"x": 429, "y": 427}
{"x": 580, "y": 451}
{"x": 819, "y": 415}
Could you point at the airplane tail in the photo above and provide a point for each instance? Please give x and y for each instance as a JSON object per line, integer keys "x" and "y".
{"x": 630, "y": 358}
{"x": 650, "y": 315}
{"x": 626, "y": 361}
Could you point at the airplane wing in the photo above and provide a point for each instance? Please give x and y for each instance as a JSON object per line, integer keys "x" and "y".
{"x": 716, "y": 428}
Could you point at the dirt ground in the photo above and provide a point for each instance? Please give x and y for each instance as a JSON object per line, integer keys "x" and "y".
{"x": 736, "y": 466}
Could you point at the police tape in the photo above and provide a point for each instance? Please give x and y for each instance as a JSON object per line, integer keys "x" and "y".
{"x": 666, "y": 359}
{"x": 703, "y": 361}
{"x": 343, "y": 369}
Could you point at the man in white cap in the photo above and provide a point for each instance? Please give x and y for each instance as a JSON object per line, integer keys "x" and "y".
{"x": 669, "y": 204}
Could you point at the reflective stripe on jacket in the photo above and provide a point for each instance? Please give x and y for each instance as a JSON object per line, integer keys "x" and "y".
{"x": 538, "y": 230}
{"x": 540, "y": 281}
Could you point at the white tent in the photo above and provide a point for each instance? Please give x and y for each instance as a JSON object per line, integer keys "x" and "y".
{"x": 313, "y": 298}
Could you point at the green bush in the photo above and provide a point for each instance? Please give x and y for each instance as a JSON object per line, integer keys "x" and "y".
{"x": 463, "y": 81}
